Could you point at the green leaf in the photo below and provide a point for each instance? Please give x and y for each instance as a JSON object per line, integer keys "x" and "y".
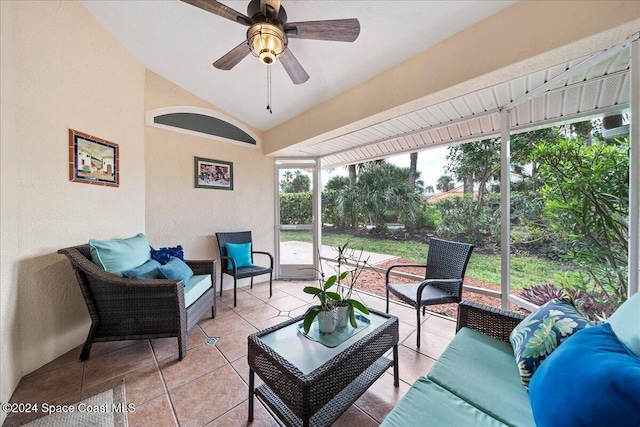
{"x": 309, "y": 316}
{"x": 330, "y": 281}
{"x": 352, "y": 317}
{"x": 333, "y": 295}
{"x": 357, "y": 304}
{"x": 311, "y": 290}
{"x": 543, "y": 341}
{"x": 343, "y": 275}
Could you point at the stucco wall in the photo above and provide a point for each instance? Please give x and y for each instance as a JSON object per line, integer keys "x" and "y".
{"x": 9, "y": 315}
{"x": 68, "y": 72}
{"x": 179, "y": 213}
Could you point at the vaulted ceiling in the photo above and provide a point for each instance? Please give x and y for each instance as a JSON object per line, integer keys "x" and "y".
{"x": 180, "y": 42}
{"x": 421, "y": 74}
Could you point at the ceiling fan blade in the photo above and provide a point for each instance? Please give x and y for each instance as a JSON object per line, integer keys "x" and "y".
{"x": 340, "y": 30}
{"x": 293, "y": 67}
{"x": 220, "y": 9}
{"x": 273, "y": 4}
{"x": 233, "y": 57}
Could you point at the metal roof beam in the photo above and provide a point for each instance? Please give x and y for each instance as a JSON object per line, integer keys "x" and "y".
{"x": 516, "y": 129}
{"x": 582, "y": 66}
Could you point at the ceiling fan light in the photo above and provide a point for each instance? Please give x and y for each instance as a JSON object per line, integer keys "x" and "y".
{"x": 267, "y": 42}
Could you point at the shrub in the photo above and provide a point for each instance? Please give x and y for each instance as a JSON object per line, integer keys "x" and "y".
{"x": 463, "y": 220}
{"x": 597, "y": 306}
{"x": 296, "y": 208}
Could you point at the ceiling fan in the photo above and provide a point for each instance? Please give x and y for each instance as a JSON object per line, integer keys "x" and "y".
{"x": 269, "y": 31}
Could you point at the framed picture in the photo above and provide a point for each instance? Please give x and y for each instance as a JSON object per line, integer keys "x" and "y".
{"x": 214, "y": 174}
{"x": 93, "y": 160}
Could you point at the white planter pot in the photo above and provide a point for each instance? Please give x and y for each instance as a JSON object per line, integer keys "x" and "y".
{"x": 343, "y": 316}
{"x": 326, "y": 321}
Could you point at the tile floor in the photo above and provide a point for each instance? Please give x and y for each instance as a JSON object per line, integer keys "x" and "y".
{"x": 209, "y": 387}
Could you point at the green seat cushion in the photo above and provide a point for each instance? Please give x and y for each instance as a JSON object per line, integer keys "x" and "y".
{"x": 428, "y": 404}
{"x": 195, "y": 287}
{"x": 625, "y": 323}
{"x": 482, "y": 370}
{"x": 120, "y": 254}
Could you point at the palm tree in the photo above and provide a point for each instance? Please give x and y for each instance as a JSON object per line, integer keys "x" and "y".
{"x": 413, "y": 165}
{"x": 445, "y": 183}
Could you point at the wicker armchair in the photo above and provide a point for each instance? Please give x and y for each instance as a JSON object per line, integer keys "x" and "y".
{"x": 444, "y": 274}
{"x": 489, "y": 320}
{"x": 229, "y": 264}
{"x": 127, "y": 309}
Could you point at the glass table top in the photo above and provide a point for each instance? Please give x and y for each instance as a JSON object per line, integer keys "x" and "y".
{"x": 308, "y": 355}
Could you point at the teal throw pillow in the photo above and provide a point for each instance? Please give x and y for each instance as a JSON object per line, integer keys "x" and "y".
{"x": 176, "y": 269}
{"x": 540, "y": 333}
{"x": 625, "y": 322}
{"x": 148, "y": 270}
{"x": 592, "y": 379}
{"x": 241, "y": 254}
{"x": 121, "y": 254}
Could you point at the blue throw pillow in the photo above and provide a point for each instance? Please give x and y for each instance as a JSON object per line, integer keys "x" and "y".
{"x": 121, "y": 254}
{"x": 592, "y": 379}
{"x": 542, "y": 332}
{"x": 163, "y": 255}
{"x": 241, "y": 254}
{"x": 148, "y": 270}
{"x": 176, "y": 269}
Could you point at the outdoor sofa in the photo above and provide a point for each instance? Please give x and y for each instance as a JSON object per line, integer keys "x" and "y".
{"x": 476, "y": 381}
{"x": 144, "y": 303}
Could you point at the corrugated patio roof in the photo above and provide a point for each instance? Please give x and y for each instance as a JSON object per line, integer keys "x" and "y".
{"x": 571, "y": 91}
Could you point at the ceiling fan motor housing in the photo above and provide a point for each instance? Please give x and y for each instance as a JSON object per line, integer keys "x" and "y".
{"x": 266, "y": 36}
{"x": 266, "y": 41}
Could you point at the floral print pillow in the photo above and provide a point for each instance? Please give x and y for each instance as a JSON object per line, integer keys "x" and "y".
{"x": 542, "y": 332}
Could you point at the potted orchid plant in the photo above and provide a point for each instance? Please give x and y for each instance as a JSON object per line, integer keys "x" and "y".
{"x": 347, "y": 276}
{"x": 324, "y": 311}
{"x": 341, "y": 302}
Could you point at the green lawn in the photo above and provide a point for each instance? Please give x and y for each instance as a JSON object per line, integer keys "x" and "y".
{"x": 526, "y": 270}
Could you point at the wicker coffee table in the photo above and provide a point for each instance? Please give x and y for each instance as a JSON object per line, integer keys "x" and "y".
{"x": 309, "y": 384}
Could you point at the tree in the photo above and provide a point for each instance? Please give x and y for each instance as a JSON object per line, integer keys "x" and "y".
{"x": 475, "y": 162}
{"x": 347, "y": 199}
{"x": 299, "y": 184}
{"x": 353, "y": 175}
{"x": 337, "y": 183}
{"x": 445, "y": 183}
{"x": 586, "y": 197}
{"x": 523, "y": 145}
{"x": 287, "y": 176}
{"x": 413, "y": 167}
{"x": 382, "y": 187}
{"x": 429, "y": 191}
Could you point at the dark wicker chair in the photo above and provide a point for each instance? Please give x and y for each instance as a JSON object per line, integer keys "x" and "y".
{"x": 445, "y": 268}
{"x": 229, "y": 265}
{"x": 128, "y": 309}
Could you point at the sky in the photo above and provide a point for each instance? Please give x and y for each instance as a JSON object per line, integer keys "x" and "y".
{"x": 431, "y": 165}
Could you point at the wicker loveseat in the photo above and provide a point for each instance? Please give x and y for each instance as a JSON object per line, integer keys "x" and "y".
{"x": 476, "y": 381}
{"x": 126, "y": 309}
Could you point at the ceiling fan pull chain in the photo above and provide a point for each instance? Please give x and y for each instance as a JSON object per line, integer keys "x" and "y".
{"x": 269, "y": 89}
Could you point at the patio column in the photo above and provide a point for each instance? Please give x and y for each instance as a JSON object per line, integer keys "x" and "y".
{"x": 634, "y": 172}
{"x": 317, "y": 215}
{"x": 505, "y": 206}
